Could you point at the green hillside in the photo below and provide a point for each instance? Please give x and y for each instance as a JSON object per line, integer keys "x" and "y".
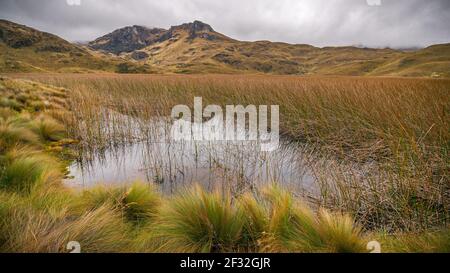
{"x": 24, "y": 49}
{"x": 195, "y": 48}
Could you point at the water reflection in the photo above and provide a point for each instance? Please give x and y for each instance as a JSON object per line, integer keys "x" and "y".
{"x": 156, "y": 158}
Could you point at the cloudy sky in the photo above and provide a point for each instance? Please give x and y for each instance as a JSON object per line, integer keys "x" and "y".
{"x": 394, "y": 23}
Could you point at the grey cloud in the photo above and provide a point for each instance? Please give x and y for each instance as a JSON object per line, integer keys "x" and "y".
{"x": 396, "y": 23}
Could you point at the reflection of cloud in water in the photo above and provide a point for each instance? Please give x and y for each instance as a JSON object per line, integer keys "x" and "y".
{"x": 238, "y": 165}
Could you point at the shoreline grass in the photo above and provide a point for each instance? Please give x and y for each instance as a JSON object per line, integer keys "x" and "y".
{"x": 39, "y": 214}
{"x": 398, "y": 125}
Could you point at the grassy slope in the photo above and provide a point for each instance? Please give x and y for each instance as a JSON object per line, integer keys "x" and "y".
{"x": 23, "y": 49}
{"x": 184, "y": 55}
{"x": 432, "y": 61}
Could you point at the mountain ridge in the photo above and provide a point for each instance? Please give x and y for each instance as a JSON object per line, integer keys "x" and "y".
{"x": 130, "y": 38}
{"x": 196, "y": 48}
{"x": 25, "y": 49}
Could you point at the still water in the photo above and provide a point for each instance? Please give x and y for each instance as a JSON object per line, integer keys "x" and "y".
{"x": 174, "y": 164}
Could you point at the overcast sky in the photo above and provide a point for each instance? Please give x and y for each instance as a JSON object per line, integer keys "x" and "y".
{"x": 394, "y": 23}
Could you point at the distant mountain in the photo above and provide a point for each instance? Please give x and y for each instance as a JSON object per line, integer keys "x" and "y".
{"x": 197, "y": 48}
{"x": 24, "y": 49}
{"x": 433, "y": 61}
{"x": 127, "y": 39}
{"x": 132, "y": 38}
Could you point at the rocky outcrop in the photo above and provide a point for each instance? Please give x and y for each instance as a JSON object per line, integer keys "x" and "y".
{"x": 196, "y": 29}
{"x": 18, "y": 36}
{"x": 129, "y": 39}
{"x": 139, "y": 55}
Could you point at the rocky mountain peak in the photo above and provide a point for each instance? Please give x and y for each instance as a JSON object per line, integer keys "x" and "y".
{"x": 196, "y": 29}
{"x": 127, "y": 39}
{"x": 196, "y": 26}
{"x": 131, "y": 38}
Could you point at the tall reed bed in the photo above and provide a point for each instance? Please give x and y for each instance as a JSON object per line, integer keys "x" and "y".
{"x": 399, "y": 127}
{"x": 364, "y": 117}
{"x": 39, "y": 214}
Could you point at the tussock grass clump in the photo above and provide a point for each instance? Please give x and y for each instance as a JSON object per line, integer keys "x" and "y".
{"x": 138, "y": 202}
{"x": 271, "y": 221}
{"x": 55, "y": 200}
{"x": 340, "y": 233}
{"x": 37, "y": 214}
{"x": 198, "y": 221}
{"x": 11, "y": 103}
{"x": 281, "y": 224}
{"x": 142, "y": 202}
{"x": 48, "y": 129}
{"x": 24, "y": 166}
{"x": 25, "y": 229}
{"x": 27, "y": 172}
{"x": 292, "y": 226}
{"x": 12, "y": 135}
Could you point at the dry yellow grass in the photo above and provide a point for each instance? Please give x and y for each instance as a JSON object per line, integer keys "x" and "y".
{"x": 409, "y": 195}
{"x": 399, "y": 125}
{"x": 352, "y": 115}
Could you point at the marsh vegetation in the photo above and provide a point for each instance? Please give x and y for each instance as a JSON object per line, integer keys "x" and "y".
{"x": 362, "y": 159}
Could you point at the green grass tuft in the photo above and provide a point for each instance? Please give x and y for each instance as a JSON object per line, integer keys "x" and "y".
{"x": 25, "y": 173}
{"x": 291, "y": 226}
{"x": 12, "y": 135}
{"x": 48, "y": 129}
{"x": 340, "y": 233}
{"x": 25, "y": 229}
{"x": 198, "y": 221}
{"x": 11, "y": 103}
{"x": 137, "y": 203}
